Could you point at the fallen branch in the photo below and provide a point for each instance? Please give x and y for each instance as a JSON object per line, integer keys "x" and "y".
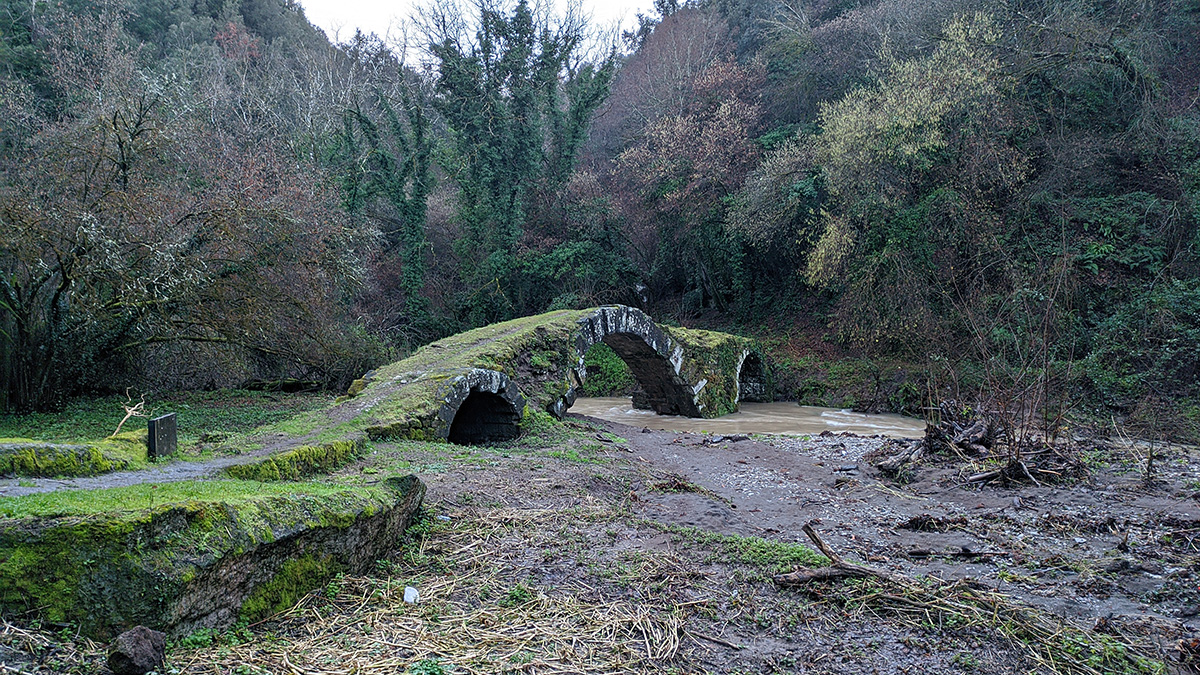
{"x": 838, "y": 568}
{"x": 136, "y": 410}
{"x": 714, "y": 639}
{"x": 909, "y": 453}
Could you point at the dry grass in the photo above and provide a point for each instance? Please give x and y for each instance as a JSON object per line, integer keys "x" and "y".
{"x": 507, "y": 590}
{"x": 473, "y": 617}
{"x": 25, "y": 651}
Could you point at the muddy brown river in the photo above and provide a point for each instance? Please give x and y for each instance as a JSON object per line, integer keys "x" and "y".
{"x": 757, "y": 418}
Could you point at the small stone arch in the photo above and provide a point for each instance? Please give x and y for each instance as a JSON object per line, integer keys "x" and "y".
{"x": 652, "y": 356}
{"x": 753, "y": 384}
{"x": 481, "y": 406}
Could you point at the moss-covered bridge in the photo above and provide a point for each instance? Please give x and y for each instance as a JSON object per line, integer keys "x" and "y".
{"x": 477, "y": 386}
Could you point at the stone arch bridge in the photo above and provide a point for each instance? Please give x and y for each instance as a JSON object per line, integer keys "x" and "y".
{"x": 476, "y": 387}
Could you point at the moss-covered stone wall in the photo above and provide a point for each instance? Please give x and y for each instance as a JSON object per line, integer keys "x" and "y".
{"x": 297, "y": 463}
{"x": 185, "y": 564}
{"x": 39, "y": 459}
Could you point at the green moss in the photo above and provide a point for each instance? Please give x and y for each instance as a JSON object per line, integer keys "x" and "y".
{"x": 356, "y": 387}
{"x": 536, "y": 421}
{"x": 138, "y": 498}
{"x": 111, "y": 559}
{"x": 301, "y": 462}
{"x": 25, "y": 457}
{"x": 774, "y": 557}
{"x": 712, "y": 356}
{"x": 294, "y": 579}
{"x": 488, "y": 347}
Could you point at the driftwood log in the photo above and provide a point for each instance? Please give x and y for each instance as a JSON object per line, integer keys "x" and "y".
{"x": 902, "y": 454}
{"x": 975, "y": 439}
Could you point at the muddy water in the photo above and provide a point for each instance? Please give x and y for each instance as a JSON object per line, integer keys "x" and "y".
{"x": 756, "y": 418}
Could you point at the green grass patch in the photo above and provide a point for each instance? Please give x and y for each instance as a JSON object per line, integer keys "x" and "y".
{"x": 201, "y": 416}
{"x": 573, "y": 455}
{"x": 774, "y": 557}
{"x": 137, "y": 498}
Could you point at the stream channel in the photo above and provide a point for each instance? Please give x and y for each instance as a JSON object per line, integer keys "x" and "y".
{"x": 756, "y": 418}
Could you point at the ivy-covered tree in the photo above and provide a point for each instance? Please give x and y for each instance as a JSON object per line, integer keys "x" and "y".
{"x": 387, "y": 146}
{"x": 517, "y": 93}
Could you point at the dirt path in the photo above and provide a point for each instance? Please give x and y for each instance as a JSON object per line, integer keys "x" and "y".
{"x": 166, "y": 472}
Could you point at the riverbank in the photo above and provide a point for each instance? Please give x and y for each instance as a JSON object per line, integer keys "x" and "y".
{"x": 596, "y": 547}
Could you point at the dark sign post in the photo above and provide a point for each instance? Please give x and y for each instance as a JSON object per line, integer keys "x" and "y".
{"x": 160, "y": 441}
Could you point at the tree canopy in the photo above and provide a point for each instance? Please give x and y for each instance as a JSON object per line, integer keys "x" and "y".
{"x": 207, "y": 193}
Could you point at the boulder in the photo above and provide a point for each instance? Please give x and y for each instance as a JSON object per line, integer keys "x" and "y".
{"x": 137, "y": 651}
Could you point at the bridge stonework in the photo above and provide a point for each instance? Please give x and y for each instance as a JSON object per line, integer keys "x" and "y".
{"x": 476, "y": 387}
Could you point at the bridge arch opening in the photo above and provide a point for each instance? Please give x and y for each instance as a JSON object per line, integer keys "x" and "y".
{"x": 752, "y": 380}
{"x": 485, "y": 417}
{"x": 657, "y": 387}
{"x": 651, "y": 355}
{"x": 607, "y": 373}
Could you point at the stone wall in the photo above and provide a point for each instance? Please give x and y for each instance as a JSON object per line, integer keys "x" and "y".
{"x": 197, "y": 564}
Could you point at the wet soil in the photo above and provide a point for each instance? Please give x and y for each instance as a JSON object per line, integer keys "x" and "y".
{"x": 669, "y": 527}
{"x": 1108, "y": 550}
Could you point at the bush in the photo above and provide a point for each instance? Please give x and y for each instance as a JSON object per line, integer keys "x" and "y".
{"x": 1148, "y": 345}
{"x": 607, "y": 374}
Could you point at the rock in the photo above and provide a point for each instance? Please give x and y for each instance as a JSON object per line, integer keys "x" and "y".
{"x": 137, "y": 651}
{"x": 262, "y": 551}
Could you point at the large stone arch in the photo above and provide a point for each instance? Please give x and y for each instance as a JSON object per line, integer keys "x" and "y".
{"x": 753, "y": 378}
{"x": 654, "y": 358}
{"x": 477, "y": 373}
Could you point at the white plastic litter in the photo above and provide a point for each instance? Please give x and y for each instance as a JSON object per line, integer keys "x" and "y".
{"x": 411, "y": 596}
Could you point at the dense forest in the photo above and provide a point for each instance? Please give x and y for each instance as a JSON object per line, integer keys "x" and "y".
{"x": 1003, "y": 193}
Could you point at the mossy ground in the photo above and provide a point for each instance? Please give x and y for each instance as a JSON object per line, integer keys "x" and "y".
{"x": 224, "y": 420}
{"x": 135, "y": 499}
